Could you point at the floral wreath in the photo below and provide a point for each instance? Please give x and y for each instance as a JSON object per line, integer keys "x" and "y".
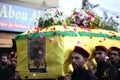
{"x": 83, "y": 19}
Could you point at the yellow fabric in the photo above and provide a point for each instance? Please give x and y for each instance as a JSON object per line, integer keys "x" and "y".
{"x": 52, "y": 57}
{"x": 55, "y": 28}
{"x": 58, "y": 52}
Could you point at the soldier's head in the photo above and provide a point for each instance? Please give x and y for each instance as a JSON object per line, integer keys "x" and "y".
{"x": 100, "y": 53}
{"x": 4, "y": 58}
{"x": 114, "y": 53}
{"x": 79, "y": 57}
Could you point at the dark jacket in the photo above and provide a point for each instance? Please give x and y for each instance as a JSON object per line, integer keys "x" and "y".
{"x": 82, "y": 74}
{"x": 118, "y": 69}
{"x": 6, "y": 72}
{"x": 106, "y": 71}
{"x": 117, "y": 65}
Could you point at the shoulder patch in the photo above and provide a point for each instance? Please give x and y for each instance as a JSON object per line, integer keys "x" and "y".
{"x": 106, "y": 73}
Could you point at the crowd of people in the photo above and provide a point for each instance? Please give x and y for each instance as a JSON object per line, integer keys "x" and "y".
{"x": 107, "y": 68}
{"x": 8, "y": 63}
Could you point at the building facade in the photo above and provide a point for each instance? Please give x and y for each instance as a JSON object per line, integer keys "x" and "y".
{"x": 17, "y": 17}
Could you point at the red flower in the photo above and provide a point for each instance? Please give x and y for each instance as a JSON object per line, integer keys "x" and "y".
{"x": 75, "y": 29}
{"x": 90, "y": 13}
{"x": 75, "y": 13}
{"x": 46, "y": 28}
{"x": 53, "y": 28}
{"x": 78, "y": 42}
{"x": 40, "y": 29}
{"x": 81, "y": 26}
{"x": 65, "y": 27}
{"x": 80, "y": 14}
{"x": 41, "y": 36}
{"x": 51, "y": 39}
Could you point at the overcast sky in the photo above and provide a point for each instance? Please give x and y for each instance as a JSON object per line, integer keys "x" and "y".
{"x": 112, "y": 7}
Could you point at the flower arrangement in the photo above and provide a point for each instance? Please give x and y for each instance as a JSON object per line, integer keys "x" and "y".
{"x": 50, "y": 18}
{"x": 83, "y": 19}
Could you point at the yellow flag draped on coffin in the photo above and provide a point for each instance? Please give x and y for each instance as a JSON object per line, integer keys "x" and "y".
{"x": 46, "y": 53}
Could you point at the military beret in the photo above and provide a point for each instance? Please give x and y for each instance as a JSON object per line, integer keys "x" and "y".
{"x": 81, "y": 51}
{"x": 114, "y": 48}
{"x": 102, "y": 48}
